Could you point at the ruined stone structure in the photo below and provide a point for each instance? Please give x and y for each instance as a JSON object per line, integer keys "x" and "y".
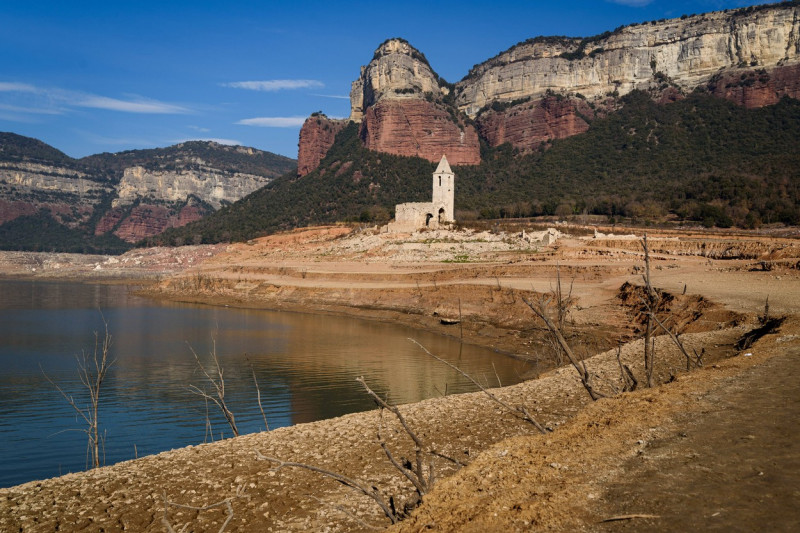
{"x": 434, "y": 214}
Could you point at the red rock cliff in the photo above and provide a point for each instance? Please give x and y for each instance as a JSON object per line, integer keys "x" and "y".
{"x": 146, "y": 220}
{"x": 316, "y": 138}
{"x": 419, "y": 128}
{"x": 527, "y": 125}
{"x": 757, "y": 88}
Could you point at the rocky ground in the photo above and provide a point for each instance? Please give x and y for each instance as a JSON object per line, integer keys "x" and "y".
{"x": 712, "y": 448}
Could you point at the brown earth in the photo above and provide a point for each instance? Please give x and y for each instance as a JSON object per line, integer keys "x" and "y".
{"x": 716, "y": 448}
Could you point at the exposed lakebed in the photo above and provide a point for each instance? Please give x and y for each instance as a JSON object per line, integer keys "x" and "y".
{"x": 305, "y": 365}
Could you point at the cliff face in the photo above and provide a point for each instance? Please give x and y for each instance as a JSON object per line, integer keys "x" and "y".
{"x": 688, "y": 52}
{"x": 133, "y": 194}
{"x": 757, "y": 88}
{"x": 551, "y": 87}
{"x": 398, "y": 71}
{"x": 316, "y": 138}
{"x": 68, "y": 194}
{"x": 214, "y": 186}
{"x": 527, "y": 125}
{"x": 419, "y": 128}
{"x": 401, "y": 107}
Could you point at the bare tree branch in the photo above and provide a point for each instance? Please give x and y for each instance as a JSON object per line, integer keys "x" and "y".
{"x": 540, "y": 309}
{"x": 422, "y": 483}
{"x": 258, "y": 396}
{"x": 355, "y": 484}
{"x": 226, "y": 502}
{"x": 347, "y": 513}
{"x": 218, "y": 385}
{"x": 519, "y": 412}
{"x": 92, "y": 372}
{"x": 652, "y": 302}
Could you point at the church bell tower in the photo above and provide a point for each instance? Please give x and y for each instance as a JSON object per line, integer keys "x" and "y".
{"x": 443, "y": 191}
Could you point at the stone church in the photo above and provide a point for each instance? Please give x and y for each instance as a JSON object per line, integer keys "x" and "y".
{"x": 437, "y": 213}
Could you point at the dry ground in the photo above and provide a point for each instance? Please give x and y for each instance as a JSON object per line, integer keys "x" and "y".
{"x": 715, "y": 448}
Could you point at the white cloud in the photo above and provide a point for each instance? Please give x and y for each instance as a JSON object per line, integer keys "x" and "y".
{"x": 6, "y": 86}
{"x": 48, "y": 100}
{"x": 273, "y": 122}
{"x": 129, "y": 106}
{"x": 274, "y": 85}
{"x": 31, "y": 110}
{"x": 632, "y": 3}
{"x": 332, "y": 96}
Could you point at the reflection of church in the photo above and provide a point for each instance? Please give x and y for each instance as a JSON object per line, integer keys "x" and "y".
{"x": 437, "y": 213}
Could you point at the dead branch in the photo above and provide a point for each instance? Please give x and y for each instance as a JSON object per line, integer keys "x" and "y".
{"x": 630, "y": 517}
{"x": 698, "y": 361}
{"x": 540, "y": 309}
{"x": 628, "y": 379}
{"x": 258, "y": 396}
{"x": 652, "y": 302}
{"x": 92, "y": 372}
{"x": 519, "y": 412}
{"x": 359, "y": 486}
{"x": 347, "y": 513}
{"x": 417, "y": 478}
{"x": 218, "y": 385}
{"x": 416, "y": 472}
{"x": 226, "y": 502}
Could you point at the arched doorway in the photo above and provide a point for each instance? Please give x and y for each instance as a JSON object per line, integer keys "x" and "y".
{"x": 441, "y": 215}
{"x": 428, "y": 218}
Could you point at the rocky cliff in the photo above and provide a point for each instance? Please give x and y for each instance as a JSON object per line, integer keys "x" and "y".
{"x": 400, "y": 102}
{"x": 131, "y": 195}
{"x": 686, "y": 52}
{"x": 551, "y": 87}
{"x": 212, "y": 185}
{"x": 529, "y": 124}
{"x": 419, "y": 128}
{"x": 316, "y": 138}
{"x": 69, "y": 194}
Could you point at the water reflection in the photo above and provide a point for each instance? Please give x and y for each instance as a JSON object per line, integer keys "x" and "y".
{"x": 306, "y": 367}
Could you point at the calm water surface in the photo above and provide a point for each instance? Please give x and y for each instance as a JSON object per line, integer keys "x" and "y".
{"x": 305, "y": 364}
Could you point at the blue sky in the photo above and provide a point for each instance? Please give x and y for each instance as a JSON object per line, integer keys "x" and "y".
{"x": 111, "y": 75}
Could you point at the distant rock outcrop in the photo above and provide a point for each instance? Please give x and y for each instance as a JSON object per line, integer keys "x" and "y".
{"x": 132, "y": 195}
{"x": 400, "y": 104}
{"x": 316, "y": 138}
{"x": 686, "y": 52}
{"x": 212, "y": 185}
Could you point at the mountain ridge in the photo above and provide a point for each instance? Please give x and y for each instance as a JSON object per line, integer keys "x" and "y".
{"x": 547, "y": 88}
{"x": 105, "y": 202}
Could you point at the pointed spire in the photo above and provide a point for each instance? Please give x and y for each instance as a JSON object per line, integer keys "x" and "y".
{"x": 444, "y": 166}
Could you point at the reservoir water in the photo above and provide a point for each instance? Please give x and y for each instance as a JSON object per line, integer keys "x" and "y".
{"x": 305, "y": 365}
